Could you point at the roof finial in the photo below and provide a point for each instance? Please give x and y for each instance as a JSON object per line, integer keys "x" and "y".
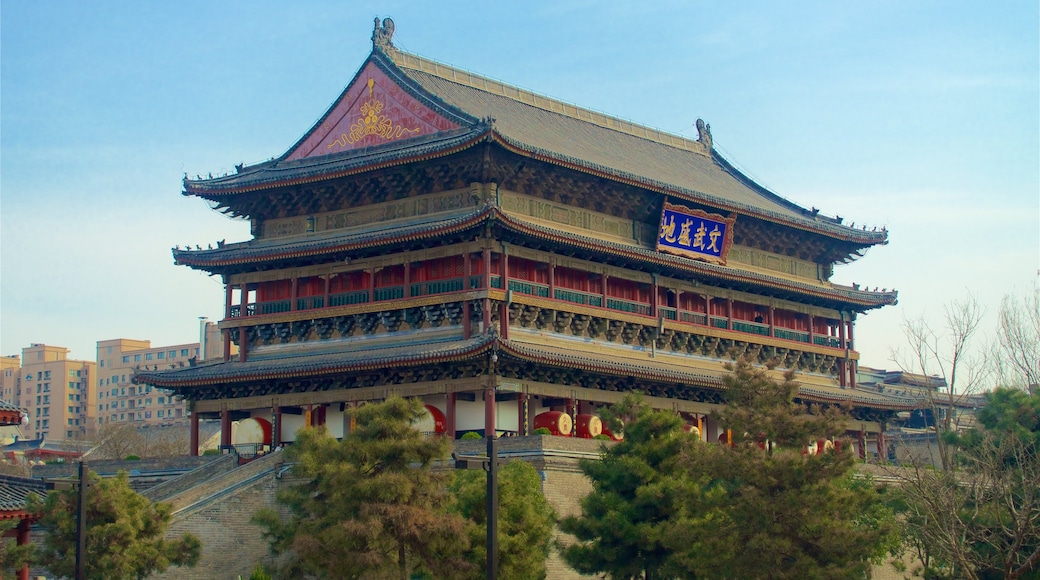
{"x": 383, "y": 35}
{"x": 704, "y": 134}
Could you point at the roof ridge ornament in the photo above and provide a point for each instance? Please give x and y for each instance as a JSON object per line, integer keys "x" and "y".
{"x": 383, "y": 35}
{"x": 704, "y": 135}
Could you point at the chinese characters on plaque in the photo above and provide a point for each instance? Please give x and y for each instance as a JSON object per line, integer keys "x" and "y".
{"x": 695, "y": 234}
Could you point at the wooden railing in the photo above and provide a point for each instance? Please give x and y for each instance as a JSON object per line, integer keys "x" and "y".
{"x": 591, "y": 299}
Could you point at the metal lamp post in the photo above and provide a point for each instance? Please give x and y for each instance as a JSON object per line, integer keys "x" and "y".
{"x": 490, "y": 465}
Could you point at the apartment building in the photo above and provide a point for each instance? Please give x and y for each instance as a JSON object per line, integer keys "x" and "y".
{"x": 10, "y": 377}
{"x": 53, "y": 389}
{"x": 119, "y": 400}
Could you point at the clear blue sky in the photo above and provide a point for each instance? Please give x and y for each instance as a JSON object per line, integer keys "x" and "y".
{"x": 918, "y": 116}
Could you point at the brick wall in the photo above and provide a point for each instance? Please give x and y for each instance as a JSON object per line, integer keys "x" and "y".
{"x": 231, "y": 545}
{"x": 215, "y": 468}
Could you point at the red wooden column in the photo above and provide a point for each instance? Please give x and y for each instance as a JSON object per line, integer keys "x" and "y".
{"x": 226, "y": 334}
{"x": 772, "y": 322}
{"x": 604, "y": 290}
{"x": 225, "y": 427}
{"x": 843, "y": 366}
{"x": 572, "y": 410}
{"x": 853, "y": 364}
{"x": 487, "y": 287}
{"x": 489, "y": 412}
{"x": 276, "y": 428}
{"x": 812, "y": 334}
{"x": 22, "y": 540}
{"x": 372, "y": 285}
{"x": 243, "y": 334}
{"x": 193, "y": 434}
{"x": 292, "y": 293}
{"x": 325, "y": 298}
{"x": 243, "y": 344}
{"x": 653, "y": 296}
{"x": 882, "y": 451}
{"x": 729, "y": 313}
{"x": 466, "y": 323}
{"x": 228, "y": 289}
{"x": 521, "y": 415}
{"x": 552, "y": 280}
{"x": 407, "y": 279}
{"x": 227, "y": 343}
{"x": 449, "y": 416}
{"x": 503, "y": 310}
{"x": 245, "y": 297}
{"x": 707, "y": 310}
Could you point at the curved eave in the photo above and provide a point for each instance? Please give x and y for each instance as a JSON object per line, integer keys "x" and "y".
{"x": 210, "y": 260}
{"x": 223, "y": 373}
{"x": 671, "y": 374}
{"x": 608, "y": 367}
{"x": 865, "y": 300}
{"x": 846, "y": 234}
{"x": 274, "y": 175}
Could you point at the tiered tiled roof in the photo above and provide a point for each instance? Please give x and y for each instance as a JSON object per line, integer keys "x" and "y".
{"x": 539, "y": 127}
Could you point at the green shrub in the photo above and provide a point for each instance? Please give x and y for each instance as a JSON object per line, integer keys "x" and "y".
{"x": 542, "y": 431}
{"x": 602, "y": 437}
{"x": 132, "y": 458}
{"x": 211, "y": 452}
{"x": 471, "y": 435}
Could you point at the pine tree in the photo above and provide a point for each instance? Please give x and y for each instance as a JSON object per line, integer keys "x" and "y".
{"x": 525, "y": 521}
{"x": 667, "y": 505}
{"x": 637, "y": 489}
{"x": 764, "y": 507}
{"x": 370, "y": 505}
{"x": 125, "y": 532}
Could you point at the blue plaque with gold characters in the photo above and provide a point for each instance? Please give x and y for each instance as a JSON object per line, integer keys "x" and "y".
{"x": 695, "y": 234}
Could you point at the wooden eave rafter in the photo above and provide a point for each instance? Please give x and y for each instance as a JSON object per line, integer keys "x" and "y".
{"x": 224, "y": 266}
{"x": 298, "y": 368}
{"x": 225, "y": 199}
{"x": 637, "y": 258}
{"x": 685, "y": 267}
{"x": 506, "y": 349}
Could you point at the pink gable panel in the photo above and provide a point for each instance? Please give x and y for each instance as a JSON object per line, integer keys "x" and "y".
{"x": 373, "y": 111}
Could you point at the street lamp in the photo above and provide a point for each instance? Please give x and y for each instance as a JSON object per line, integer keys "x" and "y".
{"x": 490, "y": 464}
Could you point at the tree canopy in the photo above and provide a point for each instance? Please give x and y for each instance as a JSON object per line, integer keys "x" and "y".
{"x": 667, "y": 505}
{"x": 125, "y": 532}
{"x": 371, "y": 504}
{"x": 981, "y": 518}
{"x": 637, "y": 493}
{"x": 525, "y": 521}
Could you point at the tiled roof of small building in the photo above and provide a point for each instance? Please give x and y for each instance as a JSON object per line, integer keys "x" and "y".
{"x": 15, "y": 492}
